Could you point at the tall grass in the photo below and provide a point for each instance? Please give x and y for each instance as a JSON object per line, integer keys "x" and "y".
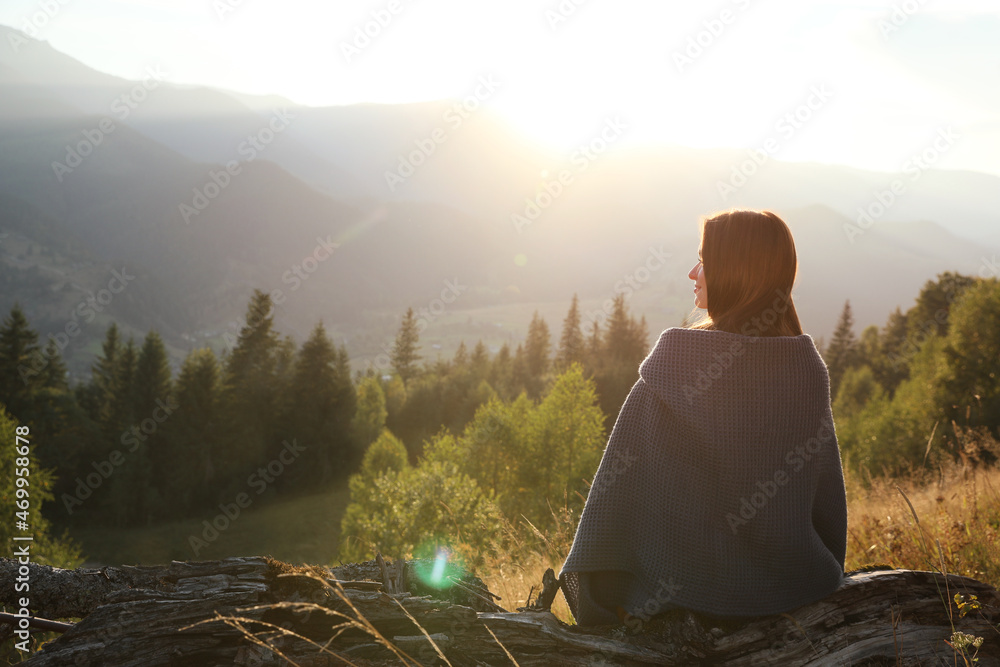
{"x": 514, "y": 571}
{"x": 901, "y": 522}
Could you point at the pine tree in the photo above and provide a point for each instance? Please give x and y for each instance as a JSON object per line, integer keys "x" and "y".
{"x": 625, "y": 339}
{"x": 109, "y": 398}
{"x": 841, "y": 353}
{"x": 641, "y": 335}
{"x": 501, "y": 372}
{"x": 595, "y": 345}
{"x": 153, "y": 376}
{"x": 536, "y": 355}
{"x": 54, "y": 375}
{"x": 311, "y": 409}
{"x": 572, "y": 348}
{"x": 19, "y": 361}
{"x": 461, "y": 359}
{"x": 869, "y": 347}
{"x": 894, "y": 365}
{"x": 249, "y": 394}
{"x": 34, "y": 390}
{"x": 71, "y": 439}
{"x": 347, "y": 404}
{"x": 519, "y": 378}
{"x": 123, "y": 407}
{"x": 618, "y": 354}
{"x": 480, "y": 360}
{"x": 99, "y": 397}
{"x": 404, "y": 351}
{"x": 127, "y": 498}
{"x": 194, "y": 433}
{"x": 285, "y": 359}
{"x": 153, "y": 405}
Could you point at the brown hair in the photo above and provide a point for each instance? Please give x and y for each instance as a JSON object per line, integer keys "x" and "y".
{"x": 749, "y": 262}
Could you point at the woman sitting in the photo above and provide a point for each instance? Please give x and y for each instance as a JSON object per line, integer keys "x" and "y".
{"x": 720, "y": 489}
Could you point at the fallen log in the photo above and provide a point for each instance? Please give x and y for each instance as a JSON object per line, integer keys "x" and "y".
{"x": 39, "y": 624}
{"x": 262, "y": 612}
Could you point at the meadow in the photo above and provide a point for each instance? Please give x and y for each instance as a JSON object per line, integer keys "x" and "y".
{"x": 304, "y": 529}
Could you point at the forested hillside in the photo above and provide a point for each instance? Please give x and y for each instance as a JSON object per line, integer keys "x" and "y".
{"x": 135, "y": 445}
{"x": 513, "y": 434}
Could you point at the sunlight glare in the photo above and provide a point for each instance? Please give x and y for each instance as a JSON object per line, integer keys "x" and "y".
{"x": 438, "y": 572}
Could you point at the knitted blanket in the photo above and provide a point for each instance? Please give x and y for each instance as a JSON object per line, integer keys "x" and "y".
{"x": 720, "y": 489}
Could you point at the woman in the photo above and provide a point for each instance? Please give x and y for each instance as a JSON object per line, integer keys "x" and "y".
{"x": 721, "y": 489}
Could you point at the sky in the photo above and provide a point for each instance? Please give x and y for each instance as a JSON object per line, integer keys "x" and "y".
{"x": 866, "y": 84}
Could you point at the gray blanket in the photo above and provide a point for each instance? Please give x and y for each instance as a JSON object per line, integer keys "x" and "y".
{"x": 720, "y": 489}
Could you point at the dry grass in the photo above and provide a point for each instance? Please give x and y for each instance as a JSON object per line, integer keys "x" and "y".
{"x": 959, "y": 509}
{"x": 514, "y": 583}
{"x": 515, "y": 572}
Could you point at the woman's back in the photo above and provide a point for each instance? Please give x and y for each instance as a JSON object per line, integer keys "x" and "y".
{"x": 721, "y": 488}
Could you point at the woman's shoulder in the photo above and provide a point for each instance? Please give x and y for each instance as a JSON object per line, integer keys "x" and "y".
{"x": 699, "y": 364}
{"x": 679, "y": 348}
{"x": 682, "y": 335}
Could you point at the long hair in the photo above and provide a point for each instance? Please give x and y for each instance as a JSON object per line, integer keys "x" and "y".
{"x": 749, "y": 262}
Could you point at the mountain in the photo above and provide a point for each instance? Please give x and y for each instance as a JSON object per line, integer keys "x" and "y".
{"x": 481, "y": 166}
{"x": 200, "y": 123}
{"x": 123, "y": 204}
{"x": 205, "y": 195}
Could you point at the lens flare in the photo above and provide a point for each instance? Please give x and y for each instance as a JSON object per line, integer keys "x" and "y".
{"x": 437, "y": 572}
{"x": 439, "y": 562}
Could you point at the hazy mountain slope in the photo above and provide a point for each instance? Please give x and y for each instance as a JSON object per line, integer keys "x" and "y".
{"x": 965, "y": 203}
{"x": 483, "y": 211}
{"x": 122, "y": 204}
{"x": 37, "y": 63}
{"x": 482, "y": 167}
{"x": 882, "y": 269}
{"x": 69, "y": 292}
{"x": 203, "y": 124}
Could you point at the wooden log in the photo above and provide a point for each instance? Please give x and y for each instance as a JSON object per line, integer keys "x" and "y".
{"x": 176, "y": 614}
{"x": 35, "y": 623}
{"x": 65, "y": 593}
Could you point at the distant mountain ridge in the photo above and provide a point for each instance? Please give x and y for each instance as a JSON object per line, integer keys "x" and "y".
{"x": 321, "y": 180}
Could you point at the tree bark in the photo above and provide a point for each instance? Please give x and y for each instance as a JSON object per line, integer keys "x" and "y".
{"x": 175, "y": 614}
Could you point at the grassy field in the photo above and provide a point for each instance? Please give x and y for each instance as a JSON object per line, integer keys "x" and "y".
{"x": 299, "y": 530}
{"x": 949, "y": 523}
